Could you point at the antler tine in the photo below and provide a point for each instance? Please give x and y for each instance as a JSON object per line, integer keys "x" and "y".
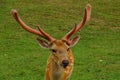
{"x": 46, "y": 36}
{"x": 27, "y": 28}
{"x": 88, "y": 7}
{"x": 86, "y": 17}
{"x": 24, "y": 26}
{"x": 67, "y": 36}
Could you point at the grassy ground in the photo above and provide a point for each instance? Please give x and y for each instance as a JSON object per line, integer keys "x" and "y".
{"x": 97, "y": 55}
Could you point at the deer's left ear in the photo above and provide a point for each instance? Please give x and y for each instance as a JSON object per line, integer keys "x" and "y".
{"x": 43, "y": 43}
{"x": 74, "y": 41}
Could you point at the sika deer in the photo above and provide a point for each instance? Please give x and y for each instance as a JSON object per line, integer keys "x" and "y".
{"x": 60, "y": 62}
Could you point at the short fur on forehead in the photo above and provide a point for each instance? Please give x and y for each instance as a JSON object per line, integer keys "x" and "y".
{"x": 59, "y": 43}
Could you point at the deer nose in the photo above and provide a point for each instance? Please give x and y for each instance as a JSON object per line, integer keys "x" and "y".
{"x": 65, "y": 63}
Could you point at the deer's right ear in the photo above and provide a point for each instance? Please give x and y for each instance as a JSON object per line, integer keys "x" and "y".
{"x": 43, "y": 43}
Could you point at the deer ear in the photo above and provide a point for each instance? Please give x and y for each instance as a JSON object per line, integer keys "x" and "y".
{"x": 43, "y": 43}
{"x": 74, "y": 41}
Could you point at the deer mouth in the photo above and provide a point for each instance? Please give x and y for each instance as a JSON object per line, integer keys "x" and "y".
{"x": 64, "y": 66}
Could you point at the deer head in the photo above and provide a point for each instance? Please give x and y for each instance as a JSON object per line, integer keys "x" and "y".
{"x": 59, "y": 48}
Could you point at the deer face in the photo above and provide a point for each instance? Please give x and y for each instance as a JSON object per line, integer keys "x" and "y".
{"x": 59, "y": 50}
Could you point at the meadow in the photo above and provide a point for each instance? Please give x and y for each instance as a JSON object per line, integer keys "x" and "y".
{"x": 97, "y": 54}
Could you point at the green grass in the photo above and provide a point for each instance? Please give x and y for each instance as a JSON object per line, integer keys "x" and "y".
{"x": 97, "y": 55}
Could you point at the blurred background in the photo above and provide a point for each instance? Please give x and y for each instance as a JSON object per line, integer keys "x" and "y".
{"x": 97, "y": 55}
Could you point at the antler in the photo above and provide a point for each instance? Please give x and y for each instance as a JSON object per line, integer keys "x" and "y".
{"x": 86, "y": 17}
{"x": 27, "y": 28}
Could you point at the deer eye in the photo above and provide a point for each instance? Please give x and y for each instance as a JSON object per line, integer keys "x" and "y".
{"x": 53, "y": 50}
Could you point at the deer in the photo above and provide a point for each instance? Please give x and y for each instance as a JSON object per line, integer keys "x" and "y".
{"x": 60, "y": 61}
